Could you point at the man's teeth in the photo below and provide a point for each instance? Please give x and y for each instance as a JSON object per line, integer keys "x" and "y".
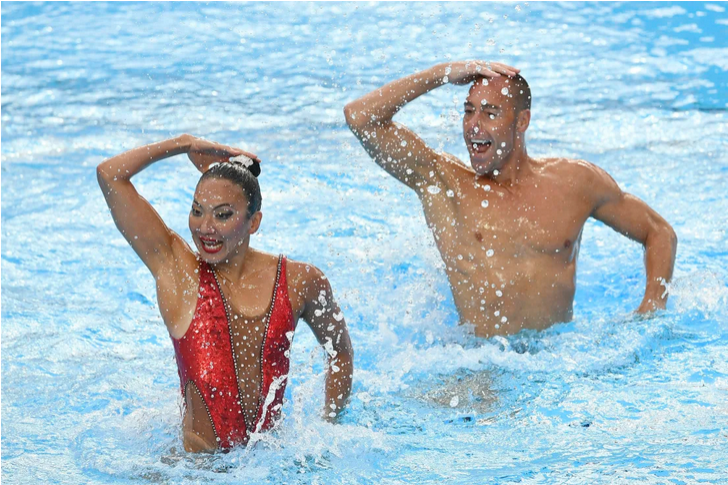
{"x": 477, "y": 143}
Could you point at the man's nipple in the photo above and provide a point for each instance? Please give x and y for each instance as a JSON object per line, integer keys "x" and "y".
{"x": 479, "y": 236}
{"x": 567, "y": 244}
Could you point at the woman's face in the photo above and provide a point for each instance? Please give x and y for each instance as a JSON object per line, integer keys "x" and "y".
{"x": 219, "y": 220}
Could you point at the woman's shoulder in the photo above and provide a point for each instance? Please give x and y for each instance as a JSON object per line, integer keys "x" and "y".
{"x": 304, "y": 277}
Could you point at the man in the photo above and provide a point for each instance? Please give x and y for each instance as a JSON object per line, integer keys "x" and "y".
{"x": 509, "y": 226}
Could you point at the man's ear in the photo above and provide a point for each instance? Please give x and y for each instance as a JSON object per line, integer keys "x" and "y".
{"x": 524, "y": 119}
{"x": 255, "y": 222}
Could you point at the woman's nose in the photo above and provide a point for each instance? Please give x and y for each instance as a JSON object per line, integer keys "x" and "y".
{"x": 207, "y": 225}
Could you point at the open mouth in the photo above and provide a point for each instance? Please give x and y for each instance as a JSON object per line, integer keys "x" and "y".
{"x": 479, "y": 145}
{"x": 210, "y": 245}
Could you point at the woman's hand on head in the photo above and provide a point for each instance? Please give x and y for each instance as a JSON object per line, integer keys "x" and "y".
{"x": 203, "y": 153}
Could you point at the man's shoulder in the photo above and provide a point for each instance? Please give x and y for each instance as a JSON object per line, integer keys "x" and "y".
{"x": 585, "y": 178}
{"x": 452, "y": 168}
{"x": 575, "y": 169}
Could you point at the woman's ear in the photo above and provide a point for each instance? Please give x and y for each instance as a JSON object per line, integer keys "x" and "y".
{"x": 255, "y": 222}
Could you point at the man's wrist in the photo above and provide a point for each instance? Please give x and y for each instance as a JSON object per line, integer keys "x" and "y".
{"x": 438, "y": 74}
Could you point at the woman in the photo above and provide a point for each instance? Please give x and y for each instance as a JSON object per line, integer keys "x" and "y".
{"x": 231, "y": 338}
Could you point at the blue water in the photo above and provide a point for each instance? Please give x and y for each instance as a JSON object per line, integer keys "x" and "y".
{"x": 89, "y": 384}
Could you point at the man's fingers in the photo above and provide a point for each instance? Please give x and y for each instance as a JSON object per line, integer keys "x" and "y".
{"x": 504, "y": 68}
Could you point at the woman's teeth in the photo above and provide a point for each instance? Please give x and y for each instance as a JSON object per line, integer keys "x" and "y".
{"x": 211, "y": 246}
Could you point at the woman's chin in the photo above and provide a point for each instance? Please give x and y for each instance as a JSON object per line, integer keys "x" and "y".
{"x": 212, "y": 257}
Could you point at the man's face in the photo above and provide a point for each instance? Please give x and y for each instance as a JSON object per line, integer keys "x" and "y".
{"x": 489, "y": 124}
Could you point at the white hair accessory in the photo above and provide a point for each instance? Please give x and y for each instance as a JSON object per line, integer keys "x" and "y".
{"x": 245, "y": 160}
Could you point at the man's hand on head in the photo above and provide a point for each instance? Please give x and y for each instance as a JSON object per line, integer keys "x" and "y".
{"x": 465, "y": 72}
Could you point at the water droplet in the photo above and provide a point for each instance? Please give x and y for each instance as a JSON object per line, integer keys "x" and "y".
{"x": 460, "y": 257}
{"x": 504, "y": 91}
{"x": 448, "y": 70}
{"x": 433, "y": 189}
{"x": 486, "y": 188}
{"x": 404, "y": 143}
{"x": 454, "y": 401}
{"x": 496, "y": 313}
{"x": 503, "y": 144}
{"x": 504, "y": 319}
{"x": 489, "y": 253}
{"x": 499, "y": 151}
{"x": 450, "y": 193}
{"x": 484, "y": 204}
{"x": 498, "y": 293}
{"x": 445, "y": 80}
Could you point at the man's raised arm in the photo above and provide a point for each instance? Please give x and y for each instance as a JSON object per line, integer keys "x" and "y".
{"x": 394, "y": 147}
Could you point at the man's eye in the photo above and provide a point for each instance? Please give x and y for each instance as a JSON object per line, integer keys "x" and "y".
{"x": 195, "y": 212}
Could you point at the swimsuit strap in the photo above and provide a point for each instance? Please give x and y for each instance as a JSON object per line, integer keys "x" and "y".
{"x": 275, "y": 359}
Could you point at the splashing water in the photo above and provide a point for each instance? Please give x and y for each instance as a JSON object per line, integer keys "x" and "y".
{"x": 90, "y": 387}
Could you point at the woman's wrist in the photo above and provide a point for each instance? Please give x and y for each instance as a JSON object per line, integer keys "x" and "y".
{"x": 184, "y": 142}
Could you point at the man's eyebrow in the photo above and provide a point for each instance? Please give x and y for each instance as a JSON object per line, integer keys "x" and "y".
{"x": 486, "y": 106}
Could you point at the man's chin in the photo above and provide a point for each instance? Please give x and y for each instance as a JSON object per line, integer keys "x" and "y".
{"x": 482, "y": 167}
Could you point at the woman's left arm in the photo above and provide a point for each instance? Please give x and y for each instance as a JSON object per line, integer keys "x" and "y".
{"x": 327, "y": 322}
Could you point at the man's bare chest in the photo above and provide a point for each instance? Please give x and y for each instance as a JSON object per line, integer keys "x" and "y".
{"x": 517, "y": 223}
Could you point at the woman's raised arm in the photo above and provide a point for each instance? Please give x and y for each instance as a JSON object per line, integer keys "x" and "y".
{"x": 136, "y": 219}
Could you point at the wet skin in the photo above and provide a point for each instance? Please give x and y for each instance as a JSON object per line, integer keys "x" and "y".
{"x": 221, "y": 228}
{"x": 508, "y": 227}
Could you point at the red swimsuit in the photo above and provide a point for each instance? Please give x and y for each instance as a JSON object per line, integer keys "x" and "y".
{"x": 206, "y": 361}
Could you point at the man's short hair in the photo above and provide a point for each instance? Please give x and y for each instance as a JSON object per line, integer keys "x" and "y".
{"x": 521, "y": 93}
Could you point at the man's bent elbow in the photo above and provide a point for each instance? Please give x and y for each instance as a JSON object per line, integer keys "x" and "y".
{"x": 673, "y": 238}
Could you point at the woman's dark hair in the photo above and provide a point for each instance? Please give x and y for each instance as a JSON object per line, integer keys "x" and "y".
{"x": 245, "y": 177}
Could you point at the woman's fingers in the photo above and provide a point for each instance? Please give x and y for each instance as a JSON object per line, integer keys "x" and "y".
{"x": 249, "y": 155}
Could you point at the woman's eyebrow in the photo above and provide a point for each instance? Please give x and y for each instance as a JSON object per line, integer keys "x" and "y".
{"x": 194, "y": 202}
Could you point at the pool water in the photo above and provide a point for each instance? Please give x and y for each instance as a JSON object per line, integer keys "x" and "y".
{"x": 89, "y": 384}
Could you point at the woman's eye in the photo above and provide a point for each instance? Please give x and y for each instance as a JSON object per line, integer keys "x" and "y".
{"x": 224, "y": 215}
{"x": 195, "y": 212}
